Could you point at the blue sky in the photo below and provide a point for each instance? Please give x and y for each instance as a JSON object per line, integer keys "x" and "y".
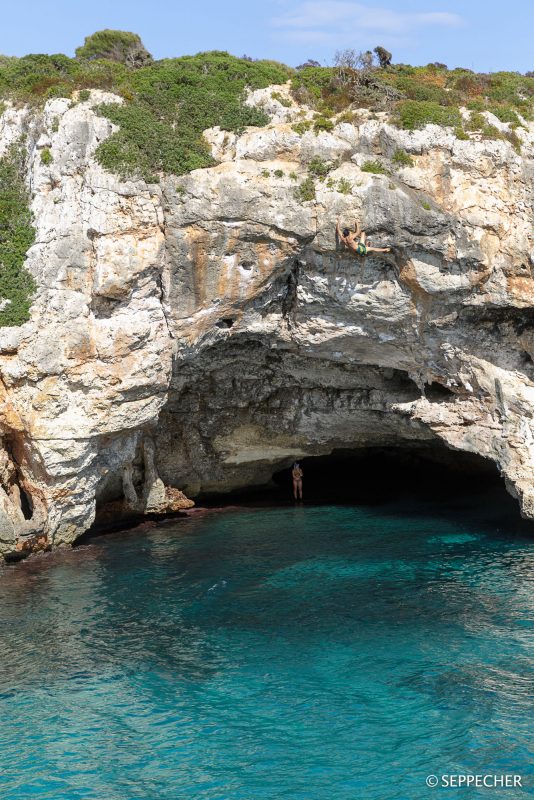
{"x": 483, "y": 35}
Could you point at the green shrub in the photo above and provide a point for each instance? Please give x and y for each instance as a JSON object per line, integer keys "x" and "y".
{"x": 293, "y": 176}
{"x": 476, "y": 121}
{"x": 324, "y": 110}
{"x": 323, "y": 124}
{"x": 375, "y": 167}
{"x": 402, "y": 158}
{"x": 509, "y": 87}
{"x": 461, "y": 134}
{"x": 415, "y": 114}
{"x": 302, "y": 127}
{"x": 415, "y": 89}
{"x": 344, "y": 186}
{"x": 514, "y": 140}
{"x": 352, "y": 117}
{"x": 55, "y": 125}
{"x": 278, "y": 173}
{"x": 319, "y": 168}
{"x": 265, "y": 173}
{"x": 16, "y": 237}
{"x": 84, "y": 95}
{"x": 466, "y": 83}
{"x": 284, "y": 101}
{"x": 46, "y": 156}
{"x": 122, "y": 46}
{"x": 490, "y": 132}
{"x": 312, "y": 85}
{"x": 505, "y": 114}
{"x": 306, "y": 190}
{"x": 426, "y": 205}
{"x": 168, "y": 103}
{"x": 477, "y": 104}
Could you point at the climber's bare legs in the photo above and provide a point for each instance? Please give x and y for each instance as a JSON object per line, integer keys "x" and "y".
{"x": 379, "y": 249}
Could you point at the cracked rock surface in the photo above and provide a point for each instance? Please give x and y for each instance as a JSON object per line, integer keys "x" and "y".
{"x": 201, "y": 333}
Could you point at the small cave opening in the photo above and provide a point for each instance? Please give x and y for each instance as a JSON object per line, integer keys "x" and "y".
{"x": 12, "y": 479}
{"x": 26, "y": 504}
{"x": 526, "y": 359}
{"x": 225, "y": 322}
{"x": 104, "y": 307}
{"x": 438, "y": 393}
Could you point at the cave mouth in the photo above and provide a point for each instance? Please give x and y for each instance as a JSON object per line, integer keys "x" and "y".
{"x": 375, "y": 475}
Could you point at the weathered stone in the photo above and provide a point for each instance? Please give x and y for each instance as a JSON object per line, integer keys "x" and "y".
{"x": 204, "y": 332}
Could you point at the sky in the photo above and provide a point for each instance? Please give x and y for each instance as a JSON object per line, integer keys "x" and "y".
{"x": 483, "y": 35}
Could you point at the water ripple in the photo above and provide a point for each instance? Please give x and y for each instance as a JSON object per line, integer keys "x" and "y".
{"x": 322, "y": 653}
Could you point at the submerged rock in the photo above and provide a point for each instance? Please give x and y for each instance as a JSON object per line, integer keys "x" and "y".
{"x": 201, "y": 333}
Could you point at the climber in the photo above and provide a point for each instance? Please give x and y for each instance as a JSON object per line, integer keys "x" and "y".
{"x": 297, "y": 474}
{"x": 356, "y": 242}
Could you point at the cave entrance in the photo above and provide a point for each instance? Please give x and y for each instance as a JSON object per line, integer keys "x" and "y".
{"x": 382, "y": 474}
{"x": 375, "y": 475}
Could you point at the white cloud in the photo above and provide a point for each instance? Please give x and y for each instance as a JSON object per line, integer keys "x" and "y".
{"x": 335, "y": 20}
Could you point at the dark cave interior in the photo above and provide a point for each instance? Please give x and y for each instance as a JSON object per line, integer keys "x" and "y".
{"x": 374, "y": 475}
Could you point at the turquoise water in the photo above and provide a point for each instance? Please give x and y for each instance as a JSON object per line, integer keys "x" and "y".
{"x": 329, "y": 653}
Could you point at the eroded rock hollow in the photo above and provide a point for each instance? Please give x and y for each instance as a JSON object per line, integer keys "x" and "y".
{"x": 200, "y": 333}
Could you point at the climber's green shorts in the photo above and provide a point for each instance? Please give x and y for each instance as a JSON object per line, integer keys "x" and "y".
{"x": 361, "y": 249}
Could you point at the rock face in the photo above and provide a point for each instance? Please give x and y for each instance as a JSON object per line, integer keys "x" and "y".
{"x": 203, "y": 332}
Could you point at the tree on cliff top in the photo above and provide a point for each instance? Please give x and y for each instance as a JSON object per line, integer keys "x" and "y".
{"x": 122, "y": 46}
{"x": 384, "y": 56}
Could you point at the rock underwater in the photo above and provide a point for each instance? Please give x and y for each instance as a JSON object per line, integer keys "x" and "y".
{"x": 200, "y": 333}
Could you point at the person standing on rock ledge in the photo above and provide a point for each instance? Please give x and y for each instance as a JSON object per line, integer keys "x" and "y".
{"x": 297, "y": 474}
{"x": 356, "y": 242}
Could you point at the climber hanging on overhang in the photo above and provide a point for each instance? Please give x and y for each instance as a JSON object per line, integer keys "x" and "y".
{"x": 357, "y": 241}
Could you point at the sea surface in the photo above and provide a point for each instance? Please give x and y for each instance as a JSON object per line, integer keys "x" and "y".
{"x": 300, "y": 653}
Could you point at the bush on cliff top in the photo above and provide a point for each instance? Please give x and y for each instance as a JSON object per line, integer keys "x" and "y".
{"x": 36, "y": 78}
{"x": 416, "y": 113}
{"x": 16, "y": 237}
{"x": 122, "y": 46}
{"x": 173, "y": 102}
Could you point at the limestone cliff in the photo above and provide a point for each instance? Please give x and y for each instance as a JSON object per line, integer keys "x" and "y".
{"x": 201, "y": 332}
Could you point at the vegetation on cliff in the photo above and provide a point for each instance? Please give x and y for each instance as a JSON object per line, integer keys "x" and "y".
{"x": 16, "y": 236}
{"x": 417, "y": 96}
{"x": 169, "y": 103}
